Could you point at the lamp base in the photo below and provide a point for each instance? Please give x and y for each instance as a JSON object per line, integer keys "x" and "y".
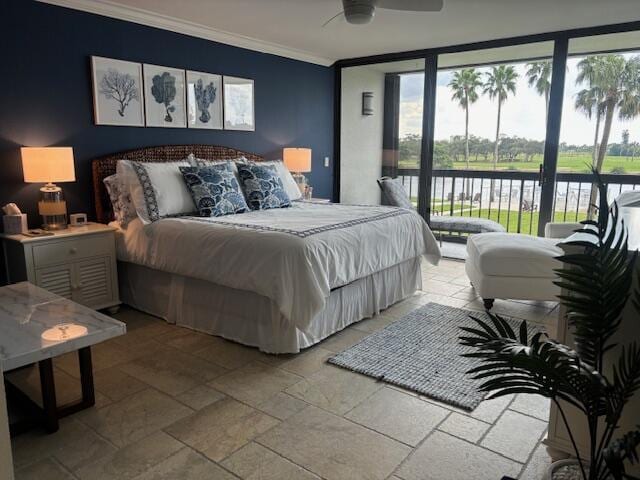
{"x": 301, "y": 181}
{"x": 52, "y": 207}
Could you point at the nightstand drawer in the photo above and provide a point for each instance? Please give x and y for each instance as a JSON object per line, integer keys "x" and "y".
{"x": 70, "y": 250}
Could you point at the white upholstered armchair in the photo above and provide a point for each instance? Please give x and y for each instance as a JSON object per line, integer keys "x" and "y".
{"x": 514, "y": 266}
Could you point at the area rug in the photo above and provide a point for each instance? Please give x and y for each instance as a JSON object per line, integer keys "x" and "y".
{"x": 421, "y": 352}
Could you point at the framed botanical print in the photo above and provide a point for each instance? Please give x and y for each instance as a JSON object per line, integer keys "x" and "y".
{"x": 118, "y": 96}
{"x": 164, "y": 91}
{"x": 238, "y": 104}
{"x": 204, "y": 100}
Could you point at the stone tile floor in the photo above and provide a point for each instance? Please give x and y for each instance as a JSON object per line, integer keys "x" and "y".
{"x": 175, "y": 404}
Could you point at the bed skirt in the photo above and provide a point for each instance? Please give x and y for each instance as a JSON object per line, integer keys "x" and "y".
{"x": 254, "y": 320}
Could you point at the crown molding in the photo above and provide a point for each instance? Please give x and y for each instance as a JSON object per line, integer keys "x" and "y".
{"x": 144, "y": 17}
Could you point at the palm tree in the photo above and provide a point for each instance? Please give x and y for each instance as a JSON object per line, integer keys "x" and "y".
{"x": 614, "y": 81}
{"x": 589, "y": 102}
{"x": 499, "y": 82}
{"x": 539, "y": 77}
{"x": 465, "y": 84}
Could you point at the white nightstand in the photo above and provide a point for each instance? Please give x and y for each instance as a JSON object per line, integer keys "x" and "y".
{"x": 78, "y": 263}
{"x": 317, "y": 200}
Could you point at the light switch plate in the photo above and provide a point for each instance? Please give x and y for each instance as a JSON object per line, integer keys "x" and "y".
{"x": 326, "y": 161}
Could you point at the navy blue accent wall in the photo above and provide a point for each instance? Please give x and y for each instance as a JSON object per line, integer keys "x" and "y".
{"x": 46, "y": 96}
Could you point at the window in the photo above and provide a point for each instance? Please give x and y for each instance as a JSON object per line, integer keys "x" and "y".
{"x": 600, "y": 121}
{"x": 490, "y": 127}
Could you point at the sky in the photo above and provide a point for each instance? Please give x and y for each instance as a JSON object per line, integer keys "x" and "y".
{"x": 522, "y": 115}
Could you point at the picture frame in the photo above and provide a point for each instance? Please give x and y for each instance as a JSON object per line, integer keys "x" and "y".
{"x": 165, "y": 99}
{"x": 204, "y": 100}
{"x": 118, "y": 92}
{"x": 239, "y": 104}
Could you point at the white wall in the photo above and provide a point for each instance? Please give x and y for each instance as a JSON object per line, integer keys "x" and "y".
{"x": 6, "y": 464}
{"x": 361, "y": 136}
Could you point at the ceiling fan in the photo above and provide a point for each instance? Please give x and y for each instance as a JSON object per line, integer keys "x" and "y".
{"x": 360, "y": 12}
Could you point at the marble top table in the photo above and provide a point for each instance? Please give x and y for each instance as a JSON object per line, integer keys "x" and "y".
{"x": 36, "y": 324}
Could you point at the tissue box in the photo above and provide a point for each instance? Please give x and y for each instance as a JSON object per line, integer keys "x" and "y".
{"x": 15, "y": 224}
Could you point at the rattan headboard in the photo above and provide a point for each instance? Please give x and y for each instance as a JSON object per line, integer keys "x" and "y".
{"x": 105, "y": 166}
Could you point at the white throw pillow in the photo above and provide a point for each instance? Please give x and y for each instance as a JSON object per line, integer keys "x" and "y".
{"x": 289, "y": 184}
{"x": 157, "y": 189}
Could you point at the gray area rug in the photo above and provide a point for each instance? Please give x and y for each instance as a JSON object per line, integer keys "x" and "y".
{"x": 421, "y": 352}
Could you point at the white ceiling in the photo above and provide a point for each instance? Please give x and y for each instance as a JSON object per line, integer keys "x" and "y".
{"x": 293, "y": 28}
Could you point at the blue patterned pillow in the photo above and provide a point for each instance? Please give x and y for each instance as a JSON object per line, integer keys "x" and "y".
{"x": 215, "y": 190}
{"x": 262, "y": 186}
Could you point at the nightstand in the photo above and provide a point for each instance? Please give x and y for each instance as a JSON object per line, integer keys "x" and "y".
{"x": 317, "y": 200}
{"x": 78, "y": 263}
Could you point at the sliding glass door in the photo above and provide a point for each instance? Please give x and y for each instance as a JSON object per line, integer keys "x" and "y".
{"x": 490, "y": 129}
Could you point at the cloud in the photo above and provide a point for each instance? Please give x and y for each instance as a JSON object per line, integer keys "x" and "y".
{"x": 523, "y": 115}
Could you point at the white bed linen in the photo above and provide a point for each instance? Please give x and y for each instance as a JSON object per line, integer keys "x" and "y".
{"x": 254, "y": 320}
{"x": 293, "y": 256}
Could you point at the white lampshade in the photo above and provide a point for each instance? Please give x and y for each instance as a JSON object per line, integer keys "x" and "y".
{"x": 47, "y": 164}
{"x": 297, "y": 159}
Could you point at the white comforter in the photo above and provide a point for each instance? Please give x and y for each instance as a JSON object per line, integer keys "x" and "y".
{"x": 294, "y": 256}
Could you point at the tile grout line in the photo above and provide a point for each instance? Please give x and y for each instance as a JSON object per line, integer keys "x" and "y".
{"x": 267, "y": 447}
{"x": 418, "y": 445}
{"x": 495, "y": 422}
{"x": 195, "y": 450}
{"x": 533, "y": 451}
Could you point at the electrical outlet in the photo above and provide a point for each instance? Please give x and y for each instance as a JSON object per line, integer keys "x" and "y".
{"x": 326, "y": 161}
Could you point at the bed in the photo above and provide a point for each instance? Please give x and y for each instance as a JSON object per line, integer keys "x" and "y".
{"x": 280, "y": 279}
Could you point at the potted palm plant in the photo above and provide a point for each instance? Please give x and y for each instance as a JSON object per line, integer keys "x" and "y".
{"x": 598, "y": 283}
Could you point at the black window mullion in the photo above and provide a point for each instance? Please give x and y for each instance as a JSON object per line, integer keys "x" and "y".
{"x": 428, "y": 128}
{"x": 552, "y": 138}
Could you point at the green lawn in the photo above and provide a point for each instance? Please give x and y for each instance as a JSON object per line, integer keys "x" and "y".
{"x": 570, "y": 163}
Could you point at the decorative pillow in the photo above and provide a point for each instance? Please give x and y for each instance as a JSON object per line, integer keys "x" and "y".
{"x": 215, "y": 190}
{"x": 123, "y": 208}
{"x": 290, "y": 185}
{"x": 395, "y": 192}
{"x": 157, "y": 189}
{"x": 262, "y": 186}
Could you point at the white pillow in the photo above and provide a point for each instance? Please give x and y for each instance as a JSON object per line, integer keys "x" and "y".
{"x": 157, "y": 189}
{"x": 290, "y": 185}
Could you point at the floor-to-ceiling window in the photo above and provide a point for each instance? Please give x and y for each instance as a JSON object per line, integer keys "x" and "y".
{"x": 507, "y": 133}
{"x": 600, "y": 121}
{"x": 490, "y": 125}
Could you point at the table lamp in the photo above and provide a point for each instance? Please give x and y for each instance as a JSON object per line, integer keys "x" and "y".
{"x": 47, "y": 165}
{"x": 298, "y": 161}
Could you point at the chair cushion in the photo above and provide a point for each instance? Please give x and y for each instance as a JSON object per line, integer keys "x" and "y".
{"x": 395, "y": 192}
{"x": 465, "y": 224}
{"x": 513, "y": 255}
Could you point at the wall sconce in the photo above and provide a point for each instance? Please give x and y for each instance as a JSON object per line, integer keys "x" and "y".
{"x": 367, "y": 103}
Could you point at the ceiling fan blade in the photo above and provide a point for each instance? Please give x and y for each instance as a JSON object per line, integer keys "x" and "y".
{"x": 411, "y": 5}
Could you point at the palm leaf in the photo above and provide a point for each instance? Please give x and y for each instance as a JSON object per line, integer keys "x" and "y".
{"x": 626, "y": 380}
{"x": 598, "y": 279}
{"x": 518, "y": 364}
{"x": 620, "y": 450}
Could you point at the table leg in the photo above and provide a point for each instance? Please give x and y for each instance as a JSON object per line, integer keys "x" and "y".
{"x": 50, "y": 413}
{"x": 49, "y": 403}
{"x": 86, "y": 377}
